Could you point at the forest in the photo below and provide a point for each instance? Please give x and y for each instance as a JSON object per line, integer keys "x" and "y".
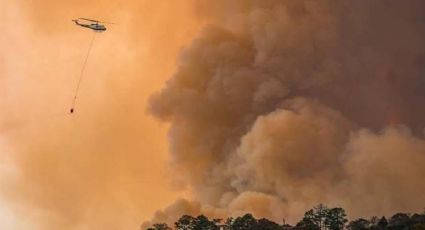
{"x": 319, "y": 217}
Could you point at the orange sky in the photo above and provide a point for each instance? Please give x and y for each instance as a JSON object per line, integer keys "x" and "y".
{"x": 105, "y": 166}
{"x": 270, "y": 86}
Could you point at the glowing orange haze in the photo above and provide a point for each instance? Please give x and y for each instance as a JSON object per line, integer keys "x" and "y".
{"x": 105, "y": 166}
{"x": 278, "y": 106}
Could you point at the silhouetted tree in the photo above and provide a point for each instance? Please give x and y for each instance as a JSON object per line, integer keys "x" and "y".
{"x": 417, "y": 218}
{"x": 229, "y": 221}
{"x": 418, "y": 226}
{"x": 320, "y": 215}
{"x": 217, "y": 220}
{"x": 374, "y": 221}
{"x": 359, "y": 224}
{"x": 382, "y": 223}
{"x": 314, "y": 218}
{"x": 335, "y": 218}
{"x": 287, "y": 226}
{"x": 309, "y": 221}
{"x": 185, "y": 222}
{"x": 265, "y": 224}
{"x": 160, "y": 226}
{"x": 201, "y": 222}
{"x": 246, "y": 222}
{"x": 318, "y": 218}
{"x": 399, "y": 221}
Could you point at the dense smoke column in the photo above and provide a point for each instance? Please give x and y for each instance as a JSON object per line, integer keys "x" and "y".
{"x": 282, "y": 102}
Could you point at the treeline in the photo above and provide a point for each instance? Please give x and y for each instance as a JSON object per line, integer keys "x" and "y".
{"x": 319, "y": 217}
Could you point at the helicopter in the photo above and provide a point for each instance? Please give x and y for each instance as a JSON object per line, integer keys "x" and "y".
{"x": 96, "y": 26}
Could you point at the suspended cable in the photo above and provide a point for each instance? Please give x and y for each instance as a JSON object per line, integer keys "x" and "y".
{"x": 82, "y": 73}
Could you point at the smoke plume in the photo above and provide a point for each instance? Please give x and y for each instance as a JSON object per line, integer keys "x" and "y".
{"x": 275, "y": 106}
{"x": 102, "y": 167}
{"x": 279, "y": 105}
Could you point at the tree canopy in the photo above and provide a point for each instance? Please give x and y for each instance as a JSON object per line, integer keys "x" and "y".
{"x": 320, "y": 217}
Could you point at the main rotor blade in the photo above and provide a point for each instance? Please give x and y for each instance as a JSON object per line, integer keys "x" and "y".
{"x": 89, "y": 19}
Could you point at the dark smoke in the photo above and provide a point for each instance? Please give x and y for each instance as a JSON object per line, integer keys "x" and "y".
{"x": 279, "y": 105}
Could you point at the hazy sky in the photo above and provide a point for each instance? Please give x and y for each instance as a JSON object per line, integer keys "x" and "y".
{"x": 106, "y": 164}
{"x": 272, "y": 107}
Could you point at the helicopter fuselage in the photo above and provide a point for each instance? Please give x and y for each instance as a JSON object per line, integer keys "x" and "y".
{"x": 97, "y": 27}
{"x": 94, "y": 26}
